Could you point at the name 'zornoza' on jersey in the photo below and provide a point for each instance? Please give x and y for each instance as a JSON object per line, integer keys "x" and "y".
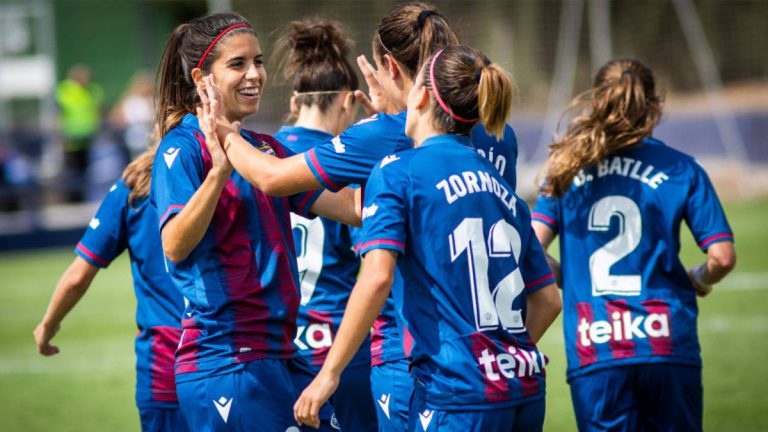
{"x": 469, "y": 258}
{"x": 350, "y": 157}
{"x": 627, "y": 296}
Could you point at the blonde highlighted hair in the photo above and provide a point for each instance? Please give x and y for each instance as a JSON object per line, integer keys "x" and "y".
{"x": 468, "y": 88}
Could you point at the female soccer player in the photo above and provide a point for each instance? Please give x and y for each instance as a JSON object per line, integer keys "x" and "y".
{"x": 410, "y": 33}
{"x": 315, "y": 61}
{"x": 479, "y": 291}
{"x": 126, "y": 220}
{"x": 229, "y": 245}
{"x": 617, "y": 196}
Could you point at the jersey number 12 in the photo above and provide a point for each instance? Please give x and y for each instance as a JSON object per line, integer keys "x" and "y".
{"x": 492, "y": 308}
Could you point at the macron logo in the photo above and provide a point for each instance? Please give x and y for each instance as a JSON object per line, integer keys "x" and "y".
{"x": 337, "y": 145}
{"x": 114, "y": 186}
{"x": 384, "y": 403}
{"x": 425, "y": 418}
{"x": 94, "y": 223}
{"x": 369, "y": 211}
{"x": 388, "y": 160}
{"x": 170, "y": 156}
{"x": 222, "y": 406}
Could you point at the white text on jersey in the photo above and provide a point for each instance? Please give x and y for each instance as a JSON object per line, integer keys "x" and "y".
{"x": 626, "y": 167}
{"x": 623, "y": 326}
{"x": 315, "y": 336}
{"x": 470, "y": 182}
{"x": 517, "y": 362}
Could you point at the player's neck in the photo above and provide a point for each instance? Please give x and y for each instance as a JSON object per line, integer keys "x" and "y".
{"x": 423, "y": 132}
{"x": 313, "y": 118}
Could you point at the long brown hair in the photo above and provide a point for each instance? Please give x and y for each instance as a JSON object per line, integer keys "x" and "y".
{"x": 467, "y": 88}
{"x": 412, "y": 33}
{"x": 138, "y": 175}
{"x": 313, "y": 55}
{"x": 183, "y": 51}
{"x": 623, "y": 108}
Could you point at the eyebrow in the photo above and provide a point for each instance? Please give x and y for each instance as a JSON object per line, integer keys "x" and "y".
{"x": 242, "y": 58}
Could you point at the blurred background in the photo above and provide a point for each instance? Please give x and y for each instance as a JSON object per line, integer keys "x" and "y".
{"x": 76, "y": 86}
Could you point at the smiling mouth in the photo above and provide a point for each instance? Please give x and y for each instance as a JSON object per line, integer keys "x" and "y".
{"x": 249, "y": 92}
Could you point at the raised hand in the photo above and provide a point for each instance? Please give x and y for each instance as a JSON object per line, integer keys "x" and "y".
{"x": 376, "y": 101}
{"x": 210, "y": 118}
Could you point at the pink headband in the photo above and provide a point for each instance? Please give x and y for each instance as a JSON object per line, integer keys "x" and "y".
{"x": 443, "y": 105}
{"x": 221, "y": 35}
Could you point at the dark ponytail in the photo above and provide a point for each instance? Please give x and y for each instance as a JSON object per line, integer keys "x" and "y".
{"x": 184, "y": 50}
{"x": 412, "y": 33}
{"x": 466, "y": 88}
{"x": 313, "y": 57}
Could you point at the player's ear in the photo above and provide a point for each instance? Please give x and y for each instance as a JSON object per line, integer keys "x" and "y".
{"x": 392, "y": 66}
{"x": 197, "y": 77}
{"x": 348, "y": 101}
{"x": 423, "y": 97}
{"x": 294, "y": 107}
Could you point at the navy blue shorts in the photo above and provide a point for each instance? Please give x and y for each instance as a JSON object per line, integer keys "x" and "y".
{"x": 259, "y": 397}
{"x": 162, "y": 420}
{"x": 392, "y": 387}
{"x": 658, "y": 397}
{"x": 352, "y": 404}
{"x": 527, "y": 417}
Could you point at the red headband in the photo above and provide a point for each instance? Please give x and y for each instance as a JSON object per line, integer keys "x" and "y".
{"x": 221, "y": 35}
{"x": 443, "y": 105}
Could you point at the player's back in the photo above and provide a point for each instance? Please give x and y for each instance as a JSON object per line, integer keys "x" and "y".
{"x": 628, "y": 298}
{"x": 456, "y": 204}
{"x": 327, "y": 265}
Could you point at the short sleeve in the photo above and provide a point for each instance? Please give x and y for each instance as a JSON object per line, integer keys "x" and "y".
{"x": 106, "y": 236}
{"x": 349, "y": 157}
{"x": 534, "y": 267}
{"x": 547, "y": 211}
{"x": 300, "y": 203}
{"x": 704, "y": 213}
{"x": 177, "y": 173}
{"x": 384, "y": 209}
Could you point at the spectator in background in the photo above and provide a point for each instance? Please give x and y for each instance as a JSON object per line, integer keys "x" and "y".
{"x": 134, "y": 114}
{"x": 79, "y": 103}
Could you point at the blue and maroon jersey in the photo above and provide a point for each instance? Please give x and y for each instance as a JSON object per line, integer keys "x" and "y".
{"x": 350, "y": 157}
{"x": 241, "y": 280}
{"x": 327, "y": 267}
{"x": 117, "y": 226}
{"x": 627, "y": 296}
{"x": 468, "y": 259}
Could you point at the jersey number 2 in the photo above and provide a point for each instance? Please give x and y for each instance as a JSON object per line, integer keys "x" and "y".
{"x": 491, "y": 307}
{"x": 630, "y": 233}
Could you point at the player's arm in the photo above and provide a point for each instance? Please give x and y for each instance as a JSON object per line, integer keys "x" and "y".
{"x": 342, "y": 206}
{"x": 270, "y": 174}
{"x": 184, "y": 231}
{"x": 546, "y": 235}
{"x": 721, "y": 259}
{"x": 543, "y": 305}
{"x": 365, "y": 304}
{"x": 69, "y": 290}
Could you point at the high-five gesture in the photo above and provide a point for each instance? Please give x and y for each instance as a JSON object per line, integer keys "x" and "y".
{"x": 213, "y": 123}
{"x": 376, "y": 100}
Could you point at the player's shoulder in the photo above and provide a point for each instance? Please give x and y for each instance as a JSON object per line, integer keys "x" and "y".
{"x": 378, "y": 124}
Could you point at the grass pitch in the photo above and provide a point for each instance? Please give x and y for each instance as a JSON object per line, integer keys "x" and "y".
{"x": 89, "y": 386}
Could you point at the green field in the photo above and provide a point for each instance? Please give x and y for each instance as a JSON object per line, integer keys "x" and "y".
{"x": 89, "y": 385}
